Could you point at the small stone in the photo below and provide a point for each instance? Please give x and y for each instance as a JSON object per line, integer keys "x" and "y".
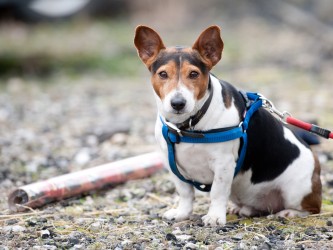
{"x": 126, "y": 243}
{"x": 121, "y": 220}
{"x": 265, "y": 246}
{"x": 45, "y": 234}
{"x": 237, "y": 237}
{"x": 241, "y": 245}
{"x": 170, "y": 237}
{"x": 42, "y": 220}
{"x": 329, "y": 223}
{"x": 139, "y": 192}
{"x": 183, "y": 237}
{"x": 32, "y": 222}
{"x": 73, "y": 240}
{"x": 83, "y": 156}
{"x": 14, "y": 229}
{"x": 11, "y": 222}
{"x": 78, "y": 246}
{"x": 191, "y": 246}
{"x": 225, "y": 228}
{"x": 96, "y": 226}
{"x": 256, "y": 238}
{"x": 119, "y": 139}
{"x": 177, "y": 231}
{"x": 49, "y": 247}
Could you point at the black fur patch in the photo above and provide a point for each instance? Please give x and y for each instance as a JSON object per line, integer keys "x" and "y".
{"x": 268, "y": 153}
{"x": 163, "y": 59}
{"x": 177, "y": 57}
{"x": 229, "y": 94}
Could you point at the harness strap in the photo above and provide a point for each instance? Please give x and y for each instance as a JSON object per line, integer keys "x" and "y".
{"x": 173, "y": 136}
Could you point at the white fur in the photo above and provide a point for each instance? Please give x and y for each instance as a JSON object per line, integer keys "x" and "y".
{"x": 215, "y": 163}
{"x": 185, "y": 93}
{"x": 294, "y": 183}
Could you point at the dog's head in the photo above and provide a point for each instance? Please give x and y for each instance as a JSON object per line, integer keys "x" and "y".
{"x": 179, "y": 75}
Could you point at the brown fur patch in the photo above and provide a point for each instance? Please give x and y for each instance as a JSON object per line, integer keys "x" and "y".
{"x": 163, "y": 86}
{"x": 226, "y": 95}
{"x": 148, "y": 44}
{"x": 312, "y": 201}
{"x": 210, "y": 45}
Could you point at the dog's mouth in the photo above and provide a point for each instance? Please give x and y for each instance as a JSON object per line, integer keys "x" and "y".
{"x": 178, "y": 112}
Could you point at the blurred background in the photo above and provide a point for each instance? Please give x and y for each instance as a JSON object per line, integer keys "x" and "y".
{"x": 74, "y": 94}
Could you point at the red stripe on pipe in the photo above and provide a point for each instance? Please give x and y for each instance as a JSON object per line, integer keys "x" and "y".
{"x": 298, "y": 123}
{"x": 331, "y": 135}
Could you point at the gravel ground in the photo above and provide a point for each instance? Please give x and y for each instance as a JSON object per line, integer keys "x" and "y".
{"x": 83, "y": 120}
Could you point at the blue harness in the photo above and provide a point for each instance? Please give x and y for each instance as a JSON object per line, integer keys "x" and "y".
{"x": 173, "y": 135}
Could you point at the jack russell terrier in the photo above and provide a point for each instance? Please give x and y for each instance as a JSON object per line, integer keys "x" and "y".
{"x": 263, "y": 167}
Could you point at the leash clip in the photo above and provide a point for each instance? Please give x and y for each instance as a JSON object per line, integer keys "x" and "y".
{"x": 268, "y": 104}
{"x": 174, "y": 127}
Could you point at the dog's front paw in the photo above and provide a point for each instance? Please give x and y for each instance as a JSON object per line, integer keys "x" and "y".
{"x": 176, "y": 214}
{"x": 214, "y": 220}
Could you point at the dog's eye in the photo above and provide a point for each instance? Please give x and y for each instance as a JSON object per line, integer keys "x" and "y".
{"x": 193, "y": 75}
{"x": 163, "y": 75}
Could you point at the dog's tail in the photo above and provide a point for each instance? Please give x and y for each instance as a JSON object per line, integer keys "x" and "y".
{"x": 309, "y": 138}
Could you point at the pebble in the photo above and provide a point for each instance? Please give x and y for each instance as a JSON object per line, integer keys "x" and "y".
{"x": 191, "y": 246}
{"x": 119, "y": 139}
{"x": 32, "y": 222}
{"x": 96, "y": 226}
{"x": 78, "y": 246}
{"x": 45, "y": 234}
{"x": 177, "y": 231}
{"x": 183, "y": 237}
{"x": 73, "y": 240}
{"x": 225, "y": 228}
{"x": 329, "y": 223}
{"x": 120, "y": 220}
{"x": 14, "y": 229}
{"x": 12, "y": 221}
{"x": 237, "y": 237}
{"x": 83, "y": 156}
{"x": 126, "y": 243}
{"x": 241, "y": 245}
{"x": 170, "y": 237}
{"x": 265, "y": 246}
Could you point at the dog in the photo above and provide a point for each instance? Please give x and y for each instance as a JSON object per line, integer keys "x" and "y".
{"x": 279, "y": 174}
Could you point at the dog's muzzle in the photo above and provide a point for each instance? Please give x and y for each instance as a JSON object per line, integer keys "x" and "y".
{"x": 178, "y": 103}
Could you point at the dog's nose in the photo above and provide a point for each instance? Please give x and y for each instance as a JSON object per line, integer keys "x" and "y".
{"x": 178, "y": 103}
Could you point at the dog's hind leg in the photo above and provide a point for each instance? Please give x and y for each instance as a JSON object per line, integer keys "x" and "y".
{"x": 292, "y": 213}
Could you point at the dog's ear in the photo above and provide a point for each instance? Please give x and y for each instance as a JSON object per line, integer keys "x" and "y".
{"x": 148, "y": 43}
{"x": 210, "y": 45}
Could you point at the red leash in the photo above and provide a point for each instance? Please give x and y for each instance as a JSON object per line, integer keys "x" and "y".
{"x": 287, "y": 118}
{"x": 310, "y": 127}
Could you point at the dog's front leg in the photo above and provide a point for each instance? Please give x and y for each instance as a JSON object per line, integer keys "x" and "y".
{"x": 185, "y": 205}
{"x": 219, "y": 194}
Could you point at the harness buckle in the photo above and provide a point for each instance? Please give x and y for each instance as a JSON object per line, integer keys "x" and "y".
{"x": 241, "y": 126}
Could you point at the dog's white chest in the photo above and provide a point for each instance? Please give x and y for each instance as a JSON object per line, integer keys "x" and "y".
{"x": 193, "y": 161}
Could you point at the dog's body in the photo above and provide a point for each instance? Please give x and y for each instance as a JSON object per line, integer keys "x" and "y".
{"x": 280, "y": 174}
